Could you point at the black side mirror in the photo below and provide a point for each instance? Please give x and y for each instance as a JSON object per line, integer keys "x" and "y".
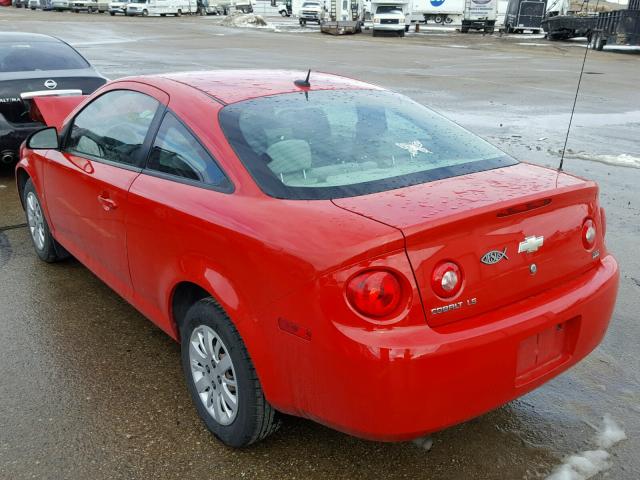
{"x": 45, "y": 139}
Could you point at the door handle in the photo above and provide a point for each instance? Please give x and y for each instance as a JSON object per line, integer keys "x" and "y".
{"x": 107, "y": 203}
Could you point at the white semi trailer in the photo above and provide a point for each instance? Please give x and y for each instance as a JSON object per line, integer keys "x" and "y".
{"x": 479, "y": 15}
{"x": 437, "y": 11}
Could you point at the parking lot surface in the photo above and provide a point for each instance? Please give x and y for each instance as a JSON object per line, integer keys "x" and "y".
{"x": 91, "y": 389}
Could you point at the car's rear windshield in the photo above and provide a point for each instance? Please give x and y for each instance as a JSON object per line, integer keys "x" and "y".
{"x": 35, "y": 56}
{"x": 334, "y": 144}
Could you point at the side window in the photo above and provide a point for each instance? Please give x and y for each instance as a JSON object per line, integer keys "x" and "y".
{"x": 113, "y": 127}
{"x": 177, "y": 152}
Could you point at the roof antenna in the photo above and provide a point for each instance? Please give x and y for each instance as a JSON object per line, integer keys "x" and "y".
{"x": 575, "y": 99}
{"x": 303, "y": 83}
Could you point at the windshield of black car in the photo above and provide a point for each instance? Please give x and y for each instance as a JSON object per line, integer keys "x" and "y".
{"x": 389, "y": 9}
{"x": 36, "y": 56}
{"x": 341, "y": 143}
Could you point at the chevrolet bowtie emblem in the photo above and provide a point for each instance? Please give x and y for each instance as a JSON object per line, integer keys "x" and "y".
{"x": 530, "y": 244}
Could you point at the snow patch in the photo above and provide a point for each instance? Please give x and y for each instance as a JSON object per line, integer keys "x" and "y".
{"x": 424, "y": 442}
{"x": 610, "y": 433}
{"x": 622, "y": 160}
{"x": 584, "y": 465}
{"x": 238, "y": 19}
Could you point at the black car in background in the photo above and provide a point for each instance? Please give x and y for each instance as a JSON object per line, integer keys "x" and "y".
{"x": 33, "y": 65}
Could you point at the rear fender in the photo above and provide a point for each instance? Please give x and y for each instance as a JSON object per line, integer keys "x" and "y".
{"x": 296, "y": 337}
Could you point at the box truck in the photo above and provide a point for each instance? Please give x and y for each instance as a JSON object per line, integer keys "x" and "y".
{"x": 390, "y": 16}
{"x": 479, "y": 15}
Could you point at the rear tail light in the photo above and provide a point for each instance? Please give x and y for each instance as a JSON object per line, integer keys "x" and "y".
{"x": 447, "y": 279}
{"x": 375, "y": 293}
{"x": 603, "y": 221}
{"x": 588, "y": 234}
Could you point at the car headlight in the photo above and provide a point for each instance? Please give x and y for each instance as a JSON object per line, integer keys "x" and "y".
{"x": 376, "y": 20}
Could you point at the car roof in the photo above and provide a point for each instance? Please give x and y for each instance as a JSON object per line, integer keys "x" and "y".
{"x": 230, "y": 86}
{"x": 11, "y": 37}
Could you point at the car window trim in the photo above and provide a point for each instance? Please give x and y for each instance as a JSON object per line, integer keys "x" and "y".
{"x": 229, "y": 188}
{"x": 141, "y": 155}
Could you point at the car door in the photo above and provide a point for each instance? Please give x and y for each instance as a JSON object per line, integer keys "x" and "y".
{"x": 88, "y": 179}
{"x": 175, "y": 201}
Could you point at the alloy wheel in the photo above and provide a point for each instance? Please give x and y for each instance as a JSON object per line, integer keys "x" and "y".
{"x": 35, "y": 220}
{"x": 213, "y": 374}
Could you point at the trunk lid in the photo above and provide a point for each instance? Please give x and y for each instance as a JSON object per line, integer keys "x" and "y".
{"x": 16, "y": 111}
{"x": 53, "y": 110}
{"x": 487, "y": 215}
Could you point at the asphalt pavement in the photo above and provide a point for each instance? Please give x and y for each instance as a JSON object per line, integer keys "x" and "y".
{"x": 91, "y": 389}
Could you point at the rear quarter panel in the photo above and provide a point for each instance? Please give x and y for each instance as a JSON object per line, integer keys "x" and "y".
{"x": 247, "y": 250}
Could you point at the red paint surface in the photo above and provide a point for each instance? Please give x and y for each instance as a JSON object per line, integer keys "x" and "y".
{"x": 55, "y": 109}
{"x": 279, "y": 269}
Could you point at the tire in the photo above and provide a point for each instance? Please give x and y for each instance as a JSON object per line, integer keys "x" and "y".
{"x": 253, "y": 418}
{"x": 113, "y": 14}
{"x": 163, "y": 14}
{"x": 283, "y": 13}
{"x": 44, "y": 244}
{"x": 401, "y": 33}
{"x": 145, "y": 13}
{"x": 374, "y": 33}
{"x": 438, "y": 19}
{"x": 179, "y": 13}
{"x": 448, "y": 19}
{"x": 464, "y": 30}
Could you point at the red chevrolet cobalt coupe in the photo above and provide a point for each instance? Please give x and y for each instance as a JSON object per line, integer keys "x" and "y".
{"x": 330, "y": 250}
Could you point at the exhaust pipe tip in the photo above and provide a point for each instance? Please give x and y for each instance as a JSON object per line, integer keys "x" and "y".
{"x": 7, "y": 157}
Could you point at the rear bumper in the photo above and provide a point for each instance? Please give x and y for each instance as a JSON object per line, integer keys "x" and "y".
{"x": 13, "y": 134}
{"x": 402, "y": 383}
